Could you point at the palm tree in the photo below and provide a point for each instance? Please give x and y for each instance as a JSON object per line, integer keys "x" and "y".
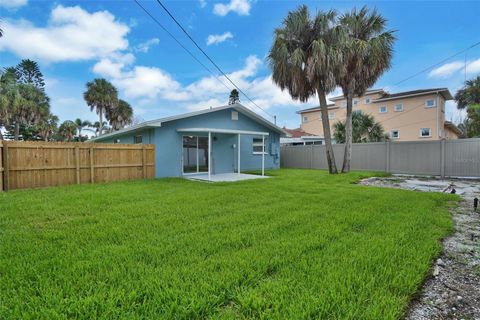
{"x": 102, "y": 96}
{"x": 120, "y": 116}
{"x": 9, "y": 97}
{"x": 367, "y": 53}
{"x": 67, "y": 130}
{"x": 82, "y": 124}
{"x": 469, "y": 95}
{"x": 365, "y": 129}
{"x": 47, "y": 126}
{"x": 303, "y": 58}
{"x": 96, "y": 127}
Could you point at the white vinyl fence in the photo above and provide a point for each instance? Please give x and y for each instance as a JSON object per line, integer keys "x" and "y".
{"x": 451, "y": 158}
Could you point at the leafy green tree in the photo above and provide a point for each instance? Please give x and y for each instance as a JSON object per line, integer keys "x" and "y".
{"x": 47, "y": 127}
{"x": 120, "y": 116}
{"x": 365, "y": 129}
{"x": 367, "y": 50}
{"x": 303, "y": 59}
{"x": 234, "y": 97}
{"x": 469, "y": 98}
{"x": 81, "y": 124}
{"x": 67, "y": 130}
{"x": 28, "y": 72}
{"x": 102, "y": 97}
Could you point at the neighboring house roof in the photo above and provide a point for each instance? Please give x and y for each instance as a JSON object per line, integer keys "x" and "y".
{"x": 296, "y": 133}
{"x": 158, "y": 122}
{"x": 329, "y": 106}
{"x": 443, "y": 91}
{"x": 371, "y": 91}
{"x": 450, "y": 125}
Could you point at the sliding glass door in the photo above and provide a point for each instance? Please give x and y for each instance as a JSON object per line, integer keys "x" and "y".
{"x": 195, "y": 154}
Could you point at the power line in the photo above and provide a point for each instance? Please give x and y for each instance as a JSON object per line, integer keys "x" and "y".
{"x": 208, "y": 57}
{"x": 180, "y": 44}
{"x": 437, "y": 64}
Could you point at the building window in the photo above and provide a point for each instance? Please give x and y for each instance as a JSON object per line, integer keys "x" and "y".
{"x": 367, "y": 100}
{"x": 305, "y": 119}
{"x": 425, "y": 132}
{"x": 430, "y": 103}
{"x": 399, "y": 107}
{"x": 383, "y": 109}
{"x": 234, "y": 115}
{"x": 331, "y": 115}
{"x": 394, "y": 134}
{"x": 116, "y": 141}
{"x": 355, "y": 102}
{"x": 258, "y": 147}
{"x": 137, "y": 139}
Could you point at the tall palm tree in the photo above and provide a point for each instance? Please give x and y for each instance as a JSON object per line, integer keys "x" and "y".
{"x": 47, "y": 126}
{"x": 303, "y": 58}
{"x": 365, "y": 129}
{"x": 67, "y": 130}
{"x": 82, "y": 124}
{"x": 367, "y": 50}
{"x": 102, "y": 97}
{"x": 96, "y": 127}
{"x": 120, "y": 116}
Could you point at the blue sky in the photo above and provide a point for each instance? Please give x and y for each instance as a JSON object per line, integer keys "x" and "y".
{"x": 77, "y": 41}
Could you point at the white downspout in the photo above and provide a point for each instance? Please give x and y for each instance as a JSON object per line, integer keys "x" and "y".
{"x": 263, "y": 155}
{"x": 438, "y": 125}
{"x": 238, "y": 152}
{"x": 209, "y": 155}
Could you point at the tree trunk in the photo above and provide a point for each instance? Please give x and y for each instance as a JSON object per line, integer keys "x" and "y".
{"x": 347, "y": 156}
{"x": 16, "y": 133}
{"x": 332, "y": 167}
{"x": 100, "y": 129}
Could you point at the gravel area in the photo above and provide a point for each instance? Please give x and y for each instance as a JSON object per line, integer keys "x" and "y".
{"x": 453, "y": 289}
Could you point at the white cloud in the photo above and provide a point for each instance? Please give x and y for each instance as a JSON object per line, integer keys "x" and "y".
{"x": 219, "y": 38}
{"x": 72, "y": 34}
{"x": 145, "y": 46}
{"x": 203, "y": 3}
{"x": 446, "y": 70}
{"x": 12, "y": 4}
{"x": 241, "y": 7}
{"x": 473, "y": 67}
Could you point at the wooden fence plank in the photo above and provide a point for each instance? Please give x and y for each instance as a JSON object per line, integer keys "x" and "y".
{"x": 42, "y": 164}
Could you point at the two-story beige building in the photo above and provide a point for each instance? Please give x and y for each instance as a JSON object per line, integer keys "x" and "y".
{"x": 405, "y": 116}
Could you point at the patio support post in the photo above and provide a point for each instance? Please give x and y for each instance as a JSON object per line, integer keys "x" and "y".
{"x": 238, "y": 155}
{"x": 209, "y": 155}
{"x": 263, "y": 155}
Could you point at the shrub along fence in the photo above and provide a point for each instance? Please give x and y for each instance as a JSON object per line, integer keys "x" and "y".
{"x": 45, "y": 164}
{"x": 451, "y": 158}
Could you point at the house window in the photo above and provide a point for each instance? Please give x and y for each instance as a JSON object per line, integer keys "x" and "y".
{"x": 399, "y": 107}
{"x": 258, "y": 146}
{"x": 394, "y": 134}
{"x": 355, "y": 102}
{"x": 234, "y": 115}
{"x": 367, "y": 100}
{"x": 430, "y": 103}
{"x": 116, "y": 141}
{"x": 383, "y": 109}
{"x": 305, "y": 119}
{"x": 137, "y": 139}
{"x": 425, "y": 132}
{"x": 331, "y": 115}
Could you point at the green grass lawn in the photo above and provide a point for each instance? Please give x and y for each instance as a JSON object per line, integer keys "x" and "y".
{"x": 303, "y": 244}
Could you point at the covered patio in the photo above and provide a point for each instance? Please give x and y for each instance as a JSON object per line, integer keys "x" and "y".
{"x": 199, "y": 164}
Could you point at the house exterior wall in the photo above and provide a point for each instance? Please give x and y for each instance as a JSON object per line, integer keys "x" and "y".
{"x": 409, "y": 122}
{"x": 169, "y": 143}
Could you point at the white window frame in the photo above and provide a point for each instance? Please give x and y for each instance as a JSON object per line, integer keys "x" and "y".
{"x": 305, "y": 119}
{"x": 367, "y": 100}
{"x": 429, "y": 133}
{"x": 432, "y": 106}
{"x": 331, "y": 115}
{"x": 380, "y": 109}
{"x": 391, "y": 134}
{"x": 258, "y": 143}
{"x": 398, "y": 110}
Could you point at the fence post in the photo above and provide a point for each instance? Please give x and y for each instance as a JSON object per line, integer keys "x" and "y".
{"x": 442, "y": 158}
{"x": 311, "y": 156}
{"x": 77, "y": 164}
{"x": 387, "y": 169}
{"x": 6, "y": 167}
{"x": 144, "y": 161}
{"x": 92, "y": 168}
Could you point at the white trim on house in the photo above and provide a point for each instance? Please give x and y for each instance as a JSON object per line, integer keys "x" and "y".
{"x": 214, "y": 130}
{"x": 411, "y": 95}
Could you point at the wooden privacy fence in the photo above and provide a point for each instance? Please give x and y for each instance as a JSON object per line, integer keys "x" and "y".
{"x": 445, "y": 158}
{"x": 45, "y": 164}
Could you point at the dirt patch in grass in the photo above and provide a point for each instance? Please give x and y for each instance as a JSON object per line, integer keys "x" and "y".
{"x": 453, "y": 288}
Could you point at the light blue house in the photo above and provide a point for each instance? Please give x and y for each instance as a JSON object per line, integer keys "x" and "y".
{"x": 206, "y": 143}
